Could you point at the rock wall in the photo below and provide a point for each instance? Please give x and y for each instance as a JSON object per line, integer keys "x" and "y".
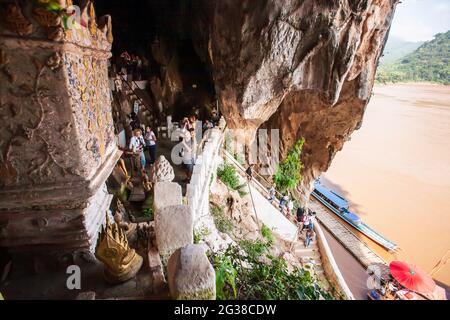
{"x": 304, "y": 67}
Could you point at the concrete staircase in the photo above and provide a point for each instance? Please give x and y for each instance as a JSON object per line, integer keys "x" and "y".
{"x": 270, "y": 215}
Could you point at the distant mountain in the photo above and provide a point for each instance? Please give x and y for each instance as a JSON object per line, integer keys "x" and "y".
{"x": 428, "y": 63}
{"x": 396, "y": 49}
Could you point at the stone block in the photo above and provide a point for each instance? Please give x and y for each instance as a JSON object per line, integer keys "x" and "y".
{"x": 174, "y": 229}
{"x": 190, "y": 274}
{"x": 166, "y": 194}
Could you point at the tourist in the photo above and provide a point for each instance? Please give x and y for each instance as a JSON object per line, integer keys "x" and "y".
{"x": 283, "y": 203}
{"x": 186, "y": 155}
{"x": 290, "y": 206}
{"x": 207, "y": 125}
{"x": 125, "y": 62}
{"x": 313, "y": 220}
{"x": 134, "y": 123}
{"x": 192, "y": 121}
{"x": 300, "y": 212}
{"x": 150, "y": 142}
{"x": 271, "y": 193}
{"x": 306, "y": 222}
{"x": 249, "y": 172}
{"x": 308, "y": 238}
{"x": 215, "y": 117}
{"x": 137, "y": 145}
{"x": 184, "y": 124}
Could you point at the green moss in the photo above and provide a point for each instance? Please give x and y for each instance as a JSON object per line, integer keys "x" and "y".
{"x": 199, "y": 295}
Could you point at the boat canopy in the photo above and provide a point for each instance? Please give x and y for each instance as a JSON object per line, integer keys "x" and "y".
{"x": 352, "y": 216}
{"x": 340, "y": 202}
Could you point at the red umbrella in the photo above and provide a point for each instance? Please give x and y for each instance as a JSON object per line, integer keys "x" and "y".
{"x": 412, "y": 277}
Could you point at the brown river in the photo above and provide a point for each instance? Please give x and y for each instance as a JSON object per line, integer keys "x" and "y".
{"x": 395, "y": 172}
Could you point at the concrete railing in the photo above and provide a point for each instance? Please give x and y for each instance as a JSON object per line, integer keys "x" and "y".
{"x": 330, "y": 267}
{"x": 197, "y": 191}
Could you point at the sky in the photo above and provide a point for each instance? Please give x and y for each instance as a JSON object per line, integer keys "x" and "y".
{"x": 420, "y": 20}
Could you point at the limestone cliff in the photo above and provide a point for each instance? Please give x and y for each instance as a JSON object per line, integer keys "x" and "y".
{"x": 305, "y": 67}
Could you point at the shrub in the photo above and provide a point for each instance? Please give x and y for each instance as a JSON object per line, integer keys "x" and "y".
{"x": 227, "y": 174}
{"x": 200, "y": 234}
{"x": 267, "y": 234}
{"x": 248, "y": 271}
{"x": 287, "y": 175}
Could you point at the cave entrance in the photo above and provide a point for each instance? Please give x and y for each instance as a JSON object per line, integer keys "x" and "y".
{"x": 160, "y": 33}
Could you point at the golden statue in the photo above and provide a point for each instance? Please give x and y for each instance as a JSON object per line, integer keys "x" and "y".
{"x": 121, "y": 262}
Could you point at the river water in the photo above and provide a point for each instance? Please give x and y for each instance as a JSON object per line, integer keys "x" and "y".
{"x": 395, "y": 171}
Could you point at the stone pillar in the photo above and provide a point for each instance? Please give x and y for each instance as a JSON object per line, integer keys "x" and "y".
{"x": 57, "y": 140}
{"x": 166, "y": 194}
{"x": 190, "y": 274}
{"x": 174, "y": 228}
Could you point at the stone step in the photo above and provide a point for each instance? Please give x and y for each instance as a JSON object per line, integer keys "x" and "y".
{"x": 306, "y": 253}
{"x": 137, "y": 194}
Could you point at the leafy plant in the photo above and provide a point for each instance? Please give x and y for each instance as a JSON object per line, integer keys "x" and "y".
{"x": 147, "y": 207}
{"x": 248, "y": 271}
{"x": 227, "y": 174}
{"x": 200, "y": 234}
{"x": 267, "y": 234}
{"x": 148, "y": 213}
{"x": 287, "y": 175}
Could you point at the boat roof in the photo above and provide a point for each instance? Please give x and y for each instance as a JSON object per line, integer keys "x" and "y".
{"x": 339, "y": 201}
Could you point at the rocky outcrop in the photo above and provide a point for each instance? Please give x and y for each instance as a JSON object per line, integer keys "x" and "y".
{"x": 304, "y": 67}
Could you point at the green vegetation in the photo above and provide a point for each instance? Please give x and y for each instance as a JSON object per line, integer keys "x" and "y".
{"x": 147, "y": 207}
{"x": 227, "y": 173}
{"x": 248, "y": 271}
{"x": 223, "y": 224}
{"x": 267, "y": 234}
{"x": 200, "y": 234}
{"x": 287, "y": 175}
{"x": 429, "y": 63}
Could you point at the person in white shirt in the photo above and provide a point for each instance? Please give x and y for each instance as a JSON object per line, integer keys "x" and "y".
{"x": 290, "y": 206}
{"x": 150, "y": 142}
{"x": 186, "y": 153}
{"x": 137, "y": 145}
